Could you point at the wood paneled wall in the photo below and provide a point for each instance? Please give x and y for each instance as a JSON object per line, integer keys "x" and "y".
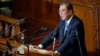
{"x": 86, "y": 14}
{"x": 45, "y": 13}
{"x": 98, "y": 27}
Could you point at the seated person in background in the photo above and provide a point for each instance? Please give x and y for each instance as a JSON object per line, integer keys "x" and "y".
{"x": 70, "y": 31}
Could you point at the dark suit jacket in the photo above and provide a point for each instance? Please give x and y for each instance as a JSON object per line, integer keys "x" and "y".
{"x": 69, "y": 44}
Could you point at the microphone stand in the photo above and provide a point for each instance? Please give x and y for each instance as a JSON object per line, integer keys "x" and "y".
{"x": 28, "y": 46}
{"x": 7, "y": 49}
{"x": 53, "y": 49}
{"x": 79, "y": 44}
{"x": 29, "y": 39}
{"x": 15, "y": 46}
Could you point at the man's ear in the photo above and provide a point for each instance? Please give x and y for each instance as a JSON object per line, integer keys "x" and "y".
{"x": 70, "y": 11}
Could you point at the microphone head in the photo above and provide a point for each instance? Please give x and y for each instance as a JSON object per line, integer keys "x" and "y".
{"x": 43, "y": 29}
{"x": 22, "y": 20}
{"x": 55, "y": 32}
{"x": 17, "y": 34}
{"x": 23, "y": 31}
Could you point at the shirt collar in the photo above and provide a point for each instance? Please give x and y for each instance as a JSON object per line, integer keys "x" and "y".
{"x": 68, "y": 21}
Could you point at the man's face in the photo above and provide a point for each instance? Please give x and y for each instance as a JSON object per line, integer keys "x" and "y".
{"x": 64, "y": 13}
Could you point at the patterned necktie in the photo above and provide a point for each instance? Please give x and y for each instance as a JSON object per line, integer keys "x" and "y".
{"x": 66, "y": 27}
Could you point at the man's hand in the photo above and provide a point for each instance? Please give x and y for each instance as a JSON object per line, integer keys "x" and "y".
{"x": 48, "y": 52}
{"x": 54, "y": 53}
{"x": 36, "y": 46}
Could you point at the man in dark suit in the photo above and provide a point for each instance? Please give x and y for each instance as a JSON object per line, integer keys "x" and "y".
{"x": 70, "y": 31}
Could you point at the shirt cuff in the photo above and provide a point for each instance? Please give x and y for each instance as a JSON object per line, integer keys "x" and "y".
{"x": 57, "y": 52}
{"x": 40, "y": 46}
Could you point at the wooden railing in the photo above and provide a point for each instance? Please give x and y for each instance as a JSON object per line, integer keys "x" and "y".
{"x": 8, "y": 27}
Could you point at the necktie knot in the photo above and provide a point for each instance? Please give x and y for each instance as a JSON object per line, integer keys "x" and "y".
{"x": 66, "y": 26}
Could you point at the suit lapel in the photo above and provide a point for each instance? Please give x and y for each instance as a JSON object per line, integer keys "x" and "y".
{"x": 62, "y": 30}
{"x": 71, "y": 22}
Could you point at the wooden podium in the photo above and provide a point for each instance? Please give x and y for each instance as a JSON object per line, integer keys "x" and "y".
{"x": 37, "y": 52}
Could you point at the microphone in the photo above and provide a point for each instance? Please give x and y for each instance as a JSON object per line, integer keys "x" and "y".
{"x": 54, "y": 40}
{"x": 55, "y": 33}
{"x": 42, "y": 29}
{"x": 18, "y": 34}
{"x": 28, "y": 39}
{"x": 22, "y": 20}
